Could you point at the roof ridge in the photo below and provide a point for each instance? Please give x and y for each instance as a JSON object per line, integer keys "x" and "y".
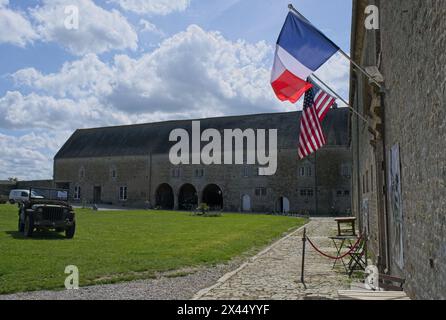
{"x": 189, "y": 120}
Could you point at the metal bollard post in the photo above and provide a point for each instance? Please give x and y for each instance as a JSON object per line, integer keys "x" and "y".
{"x": 304, "y": 240}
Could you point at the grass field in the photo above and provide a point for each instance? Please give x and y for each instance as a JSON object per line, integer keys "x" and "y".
{"x": 111, "y": 246}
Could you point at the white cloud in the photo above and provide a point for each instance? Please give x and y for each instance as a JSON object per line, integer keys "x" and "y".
{"x": 161, "y": 7}
{"x": 192, "y": 74}
{"x": 147, "y": 26}
{"x": 82, "y": 78}
{"x": 35, "y": 111}
{"x": 336, "y": 74}
{"x": 99, "y": 30}
{"x": 14, "y": 27}
{"x": 29, "y": 156}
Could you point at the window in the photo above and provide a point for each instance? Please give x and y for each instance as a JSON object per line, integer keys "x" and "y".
{"x": 199, "y": 173}
{"x": 339, "y": 193}
{"x": 246, "y": 172}
{"x": 176, "y": 172}
{"x": 345, "y": 171}
{"x": 123, "y": 193}
{"x": 302, "y": 171}
{"x": 347, "y": 193}
{"x": 307, "y": 193}
{"x": 77, "y": 193}
{"x": 260, "y": 192}
{"x": 81, "y": 172}
{"x": 113, "y": 173}
{"x": 309, "y": 171}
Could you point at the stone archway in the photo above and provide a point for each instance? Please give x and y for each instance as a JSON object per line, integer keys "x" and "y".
{"x": 213, "y": 197}
{"x": 283, "y": 205}
{"x": 187, "y": 197}
{"x": 164, "y": 197}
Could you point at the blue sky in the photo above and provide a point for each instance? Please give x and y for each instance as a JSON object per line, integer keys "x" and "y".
{"x": 136, "y": 61}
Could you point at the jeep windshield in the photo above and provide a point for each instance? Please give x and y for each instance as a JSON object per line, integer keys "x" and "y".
{"x": 49, "y": 194}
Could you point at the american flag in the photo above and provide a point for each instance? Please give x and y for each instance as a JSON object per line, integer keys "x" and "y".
{"x": 317, "y": 103}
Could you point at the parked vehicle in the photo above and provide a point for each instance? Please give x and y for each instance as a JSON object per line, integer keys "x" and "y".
{"x": 19, "y": 195}
{"x": 46, "y": 209}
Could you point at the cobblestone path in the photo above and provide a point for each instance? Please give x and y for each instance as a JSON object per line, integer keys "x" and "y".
{"x": 275, "y": 272}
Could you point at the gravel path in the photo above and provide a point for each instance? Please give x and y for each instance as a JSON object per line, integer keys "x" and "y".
{"x": 164, "y": 287}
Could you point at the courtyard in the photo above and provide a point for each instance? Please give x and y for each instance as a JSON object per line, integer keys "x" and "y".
{"x": 119, "y": 246}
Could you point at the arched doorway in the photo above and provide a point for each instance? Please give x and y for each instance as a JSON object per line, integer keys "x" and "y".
{"x": 283, "y": 205}
{"x": 187, "y": 199}
{"x": 164, "y": 197}
{"x": 213, "y": 197}
{"x": 246, "y": 203}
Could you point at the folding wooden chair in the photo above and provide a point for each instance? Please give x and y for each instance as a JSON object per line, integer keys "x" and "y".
{"x": 358, "y": 257}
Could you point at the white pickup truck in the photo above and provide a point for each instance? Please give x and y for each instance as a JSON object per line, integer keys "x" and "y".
{"x": 20, "y": 195}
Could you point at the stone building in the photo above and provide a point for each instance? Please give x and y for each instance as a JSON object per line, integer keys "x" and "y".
{"x": 399, "y": 158}
{"x": 129, "y": 166}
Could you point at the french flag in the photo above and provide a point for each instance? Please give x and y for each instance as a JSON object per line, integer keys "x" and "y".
{"x": 301, "y": 49}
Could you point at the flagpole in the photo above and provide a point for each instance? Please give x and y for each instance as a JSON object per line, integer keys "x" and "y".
{"x": 340, "y": 98}
{"x": 291, "y": 7}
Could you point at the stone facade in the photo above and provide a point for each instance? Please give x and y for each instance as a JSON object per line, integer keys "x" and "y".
{"x": 96, "y": 173}
{"x": 408, "y": 114}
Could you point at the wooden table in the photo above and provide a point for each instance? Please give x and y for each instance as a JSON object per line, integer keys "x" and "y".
{"x": 351, "y": 231}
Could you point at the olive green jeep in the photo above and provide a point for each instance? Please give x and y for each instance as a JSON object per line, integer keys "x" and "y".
{"x": 46, "y": 209}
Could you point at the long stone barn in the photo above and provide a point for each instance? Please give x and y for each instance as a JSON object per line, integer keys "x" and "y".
{"x": 130, "y": 166}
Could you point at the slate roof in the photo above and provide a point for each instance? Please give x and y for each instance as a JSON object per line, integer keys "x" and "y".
{"x": 141, "y": 139}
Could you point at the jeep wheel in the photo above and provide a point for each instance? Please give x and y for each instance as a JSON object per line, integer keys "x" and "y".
{"x": 69, "y": 232}
{"x": 28, "y": 227}
{"x": 21, "y": 226}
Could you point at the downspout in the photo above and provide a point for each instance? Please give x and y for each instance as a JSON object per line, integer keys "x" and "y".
{"x": 384, "y": 168}
{"x": 358, "y": 173}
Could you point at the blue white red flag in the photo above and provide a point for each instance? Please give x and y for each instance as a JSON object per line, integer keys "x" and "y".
{"x": 301, "y": 49}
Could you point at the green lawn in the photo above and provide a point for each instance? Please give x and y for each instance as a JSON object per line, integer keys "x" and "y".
{"x": 116, "y": 246}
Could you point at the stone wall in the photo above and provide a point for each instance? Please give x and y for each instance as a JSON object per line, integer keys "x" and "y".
{"x": 412, "y": 42}
{"x": 142, "y": 175}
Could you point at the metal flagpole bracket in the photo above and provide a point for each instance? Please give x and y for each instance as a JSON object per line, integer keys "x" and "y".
{"x": 373, "y": 131}
{"x": 371, "y": 78}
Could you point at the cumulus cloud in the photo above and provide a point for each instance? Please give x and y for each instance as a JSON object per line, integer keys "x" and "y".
{"x": 29, "y": 156}
{"x": 193, "y": 74}
{"x": 99, "y": 30}
{"x": 35, "y": 111}
{"x": 149, "y": 27}
{"x": 336, "y": 73}
{"x": 14, "y": 27}
{"x": 161, "y": 7}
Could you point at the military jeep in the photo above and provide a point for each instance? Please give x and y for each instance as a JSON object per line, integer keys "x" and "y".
{"x": 46, "y": 209}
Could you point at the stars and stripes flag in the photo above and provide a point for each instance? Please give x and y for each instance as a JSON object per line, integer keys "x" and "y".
{"x": 317, "y": 103}
{"x": 301, "y": 49}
